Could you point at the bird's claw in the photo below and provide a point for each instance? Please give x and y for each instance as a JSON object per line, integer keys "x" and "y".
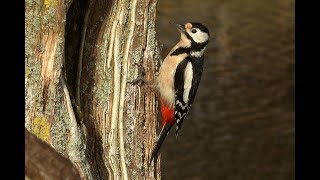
{"x": 141, "y": 70}
{"x": 140, "y": 79}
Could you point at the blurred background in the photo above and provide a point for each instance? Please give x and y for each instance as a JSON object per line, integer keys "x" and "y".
{"x": 242, "y": 123}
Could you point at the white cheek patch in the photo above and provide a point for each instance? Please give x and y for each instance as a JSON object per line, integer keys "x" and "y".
{"x": 188, "y": 75}
{"x": 200, "y": 37}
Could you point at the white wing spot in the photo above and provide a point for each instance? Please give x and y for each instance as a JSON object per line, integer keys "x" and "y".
{"x": 188, "y": 75}
{"x": 183, "y": 107}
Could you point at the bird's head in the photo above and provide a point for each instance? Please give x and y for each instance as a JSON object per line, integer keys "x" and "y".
{"x": 194, "y": 36}
{"x": 195, "y": 33}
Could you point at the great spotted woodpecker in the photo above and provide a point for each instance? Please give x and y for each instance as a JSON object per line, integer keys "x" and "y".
{"x": 179, "y": 78}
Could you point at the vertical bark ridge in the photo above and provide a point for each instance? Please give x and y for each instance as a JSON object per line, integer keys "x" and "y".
{"x": 131, "y": 25}
{"x": 86, "y": 65}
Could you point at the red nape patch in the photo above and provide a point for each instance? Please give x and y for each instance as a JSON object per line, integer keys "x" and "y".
{"x": 167, "y": 114}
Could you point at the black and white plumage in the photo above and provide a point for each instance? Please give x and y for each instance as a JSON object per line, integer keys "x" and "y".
{"x": 186, "y": 86}
{"x": 179, "y": 77}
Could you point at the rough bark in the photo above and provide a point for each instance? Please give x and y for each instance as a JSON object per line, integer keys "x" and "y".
{"x": 79, "y": 57}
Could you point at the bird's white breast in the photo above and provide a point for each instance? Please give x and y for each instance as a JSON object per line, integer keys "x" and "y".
{"x": 165, "y": 80}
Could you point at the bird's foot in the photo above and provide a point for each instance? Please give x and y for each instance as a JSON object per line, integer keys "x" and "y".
{"x": 140, "y": 80}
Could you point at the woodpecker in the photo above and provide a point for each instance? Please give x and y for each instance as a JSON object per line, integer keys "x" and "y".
{"x": 179, "y": 77}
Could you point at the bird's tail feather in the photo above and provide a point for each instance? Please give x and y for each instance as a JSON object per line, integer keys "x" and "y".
{"x": 163, "y": 134}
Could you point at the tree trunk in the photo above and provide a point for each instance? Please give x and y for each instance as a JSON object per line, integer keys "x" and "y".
{"x": 79, "y": 57}
{"x": 45, "y": 163}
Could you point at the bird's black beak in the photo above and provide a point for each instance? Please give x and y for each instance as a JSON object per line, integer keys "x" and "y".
{"x": 181, "y": 28}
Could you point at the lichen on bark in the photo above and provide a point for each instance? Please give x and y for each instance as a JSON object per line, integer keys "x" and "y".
{"x": 79, "y": 88}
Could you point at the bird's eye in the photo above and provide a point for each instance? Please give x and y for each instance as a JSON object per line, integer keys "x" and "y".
{"x": 193, "y": 30}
